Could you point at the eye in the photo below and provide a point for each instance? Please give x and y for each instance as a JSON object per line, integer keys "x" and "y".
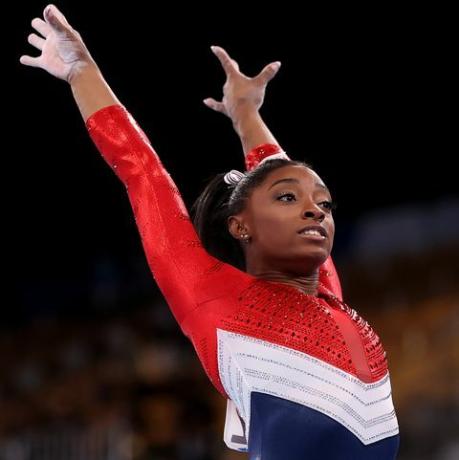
{"x": 283, "y": 195}
{"x": 330, "y": 205}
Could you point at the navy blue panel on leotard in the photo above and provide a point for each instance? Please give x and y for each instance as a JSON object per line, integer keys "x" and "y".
{"x": 284, "y": 430}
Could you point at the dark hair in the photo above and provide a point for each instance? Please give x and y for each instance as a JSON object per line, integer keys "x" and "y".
{"x": 212, "y": 208}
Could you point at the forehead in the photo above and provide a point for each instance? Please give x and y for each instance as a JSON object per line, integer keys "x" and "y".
{"x": 303, "y": 174}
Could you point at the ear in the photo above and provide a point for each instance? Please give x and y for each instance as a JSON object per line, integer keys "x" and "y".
{"x": 236, "y": 226}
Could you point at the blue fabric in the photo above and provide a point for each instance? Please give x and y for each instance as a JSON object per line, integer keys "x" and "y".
{"x": 284, "y": 430}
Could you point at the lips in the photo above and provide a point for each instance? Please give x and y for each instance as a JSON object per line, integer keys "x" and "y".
{"x": 318, "y": 228}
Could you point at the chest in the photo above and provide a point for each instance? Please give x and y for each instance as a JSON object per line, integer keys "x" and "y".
{"x": 324, "y": 329}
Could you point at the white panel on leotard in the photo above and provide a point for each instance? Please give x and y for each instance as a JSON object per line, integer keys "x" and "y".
{"x": 248, "y": 364}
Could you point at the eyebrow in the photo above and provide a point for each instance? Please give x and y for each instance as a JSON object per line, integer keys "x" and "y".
{"x": 292, "y": 179}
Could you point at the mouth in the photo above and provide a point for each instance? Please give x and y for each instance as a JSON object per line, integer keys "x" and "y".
{"x": 313, "y": 232}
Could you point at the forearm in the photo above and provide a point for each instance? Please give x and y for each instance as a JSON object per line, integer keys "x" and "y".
{"x": 91, "y": 91}
{"x": 251, "y": 129}
{"x": 183, "y": 269}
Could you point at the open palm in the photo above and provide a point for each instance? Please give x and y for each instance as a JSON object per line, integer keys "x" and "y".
{"x": 62, "y": 49}
{"x": 239, "y": 88}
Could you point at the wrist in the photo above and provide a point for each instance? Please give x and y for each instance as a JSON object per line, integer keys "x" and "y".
{"x": 244, "y": 116}
{"x": 90, "y": 90}
{"x": 261, "y": 153}
{"x": 83, "y": 70}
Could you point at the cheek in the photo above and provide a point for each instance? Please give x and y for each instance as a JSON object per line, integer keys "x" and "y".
{"x": 331, "y": 233}
{"x": 329, "y": 224}
{"x": 271, "y": 230}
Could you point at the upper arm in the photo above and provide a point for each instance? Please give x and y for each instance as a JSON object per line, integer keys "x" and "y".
{"x": 178, "y": 262}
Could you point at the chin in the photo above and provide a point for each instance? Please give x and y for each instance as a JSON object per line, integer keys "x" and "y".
{"x": 308, "y": 263}
{"x": 318, "y": 255}
{"x": 319, "y": 259}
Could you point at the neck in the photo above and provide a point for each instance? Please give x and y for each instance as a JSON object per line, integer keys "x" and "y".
{"x": 308, "y": 284}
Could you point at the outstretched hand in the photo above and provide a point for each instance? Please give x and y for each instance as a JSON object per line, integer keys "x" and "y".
{"x": 63, "y": 52}
{"x": 239, "y": 90}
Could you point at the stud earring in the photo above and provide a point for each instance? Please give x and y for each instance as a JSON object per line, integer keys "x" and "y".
{"x": 245, "y": 237}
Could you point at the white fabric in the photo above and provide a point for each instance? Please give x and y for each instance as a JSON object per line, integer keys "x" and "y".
{"x": 275, "y": 155}
{"x": 248, "y": 364}
{"x": 234, "y": 435}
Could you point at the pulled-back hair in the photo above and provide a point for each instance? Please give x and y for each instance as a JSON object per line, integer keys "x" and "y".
{"x": 219, "y": 200}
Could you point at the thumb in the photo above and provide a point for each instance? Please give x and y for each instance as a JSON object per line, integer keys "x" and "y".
{"x": 214, "y": 105}
{"x": 268, "y": 73}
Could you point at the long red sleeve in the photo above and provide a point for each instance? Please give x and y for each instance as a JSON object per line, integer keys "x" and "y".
{"x": 180, "y": 265}
{"x": 251, "y": 335}
{"x": 209, "y": 297}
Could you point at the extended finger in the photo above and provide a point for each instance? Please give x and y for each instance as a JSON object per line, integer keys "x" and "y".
{"x": 36, "y": 41}
{"x": 56, "y": 19}
{"x": 30, "y": 61}
{"x": 41, "y": 26}
{"x": 214, "y": 105}
{"x": 229, "y": 65}
{"x": 56, "y": 12}
{"x": 235, "y": 64}
{"x": 268, "y": 72}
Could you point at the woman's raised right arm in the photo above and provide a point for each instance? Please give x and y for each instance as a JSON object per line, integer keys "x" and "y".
{"x": 65, "y": 56}
{"x": 184, "y": 271}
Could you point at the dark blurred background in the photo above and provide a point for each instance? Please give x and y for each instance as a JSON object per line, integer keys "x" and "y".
{"x": 90, "y": 354}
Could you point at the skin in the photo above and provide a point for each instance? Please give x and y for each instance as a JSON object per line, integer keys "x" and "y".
{"x": 64, "y": 55}
{"x": 272, "y": 219}
{"x": 242, "y": 99}
{"x": 275, "y": 251}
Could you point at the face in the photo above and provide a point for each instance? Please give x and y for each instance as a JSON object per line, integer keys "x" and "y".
{"x": 275, "y": 213}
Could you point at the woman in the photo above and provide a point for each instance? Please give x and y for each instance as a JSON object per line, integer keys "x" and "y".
{"x": 256, "y": 292}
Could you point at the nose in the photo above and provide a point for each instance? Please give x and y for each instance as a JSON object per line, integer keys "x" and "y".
{"x": 314, "y": 214}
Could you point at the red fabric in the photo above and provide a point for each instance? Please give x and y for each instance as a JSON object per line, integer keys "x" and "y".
{"x": 204, "y": 293}
{"x": 253, "y": 158}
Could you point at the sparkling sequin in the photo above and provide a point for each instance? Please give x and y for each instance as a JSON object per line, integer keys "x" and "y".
{"x": 259, "y": 153}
